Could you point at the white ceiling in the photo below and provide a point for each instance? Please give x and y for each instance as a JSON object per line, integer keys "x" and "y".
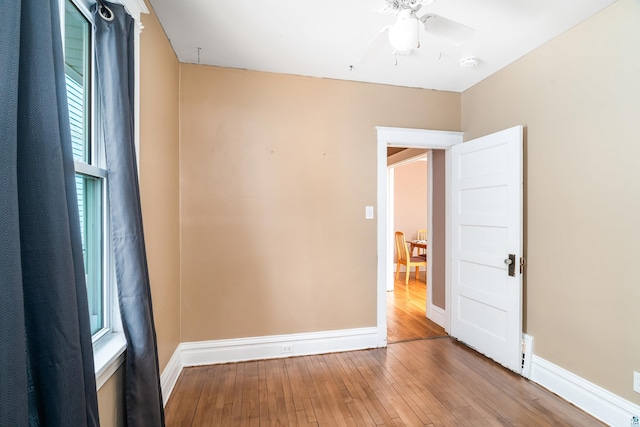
{"x": 323, "y": 38}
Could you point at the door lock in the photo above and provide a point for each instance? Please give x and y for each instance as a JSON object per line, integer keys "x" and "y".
{"x": 511, "y": 264}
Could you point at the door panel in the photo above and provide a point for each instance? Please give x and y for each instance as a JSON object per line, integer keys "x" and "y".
{"x": 486, "y": 205}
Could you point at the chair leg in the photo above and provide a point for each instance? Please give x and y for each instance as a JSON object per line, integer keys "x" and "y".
{"x": 397, "y": 270}
{"x": 406, "y": 277}
{"x": 417, "y": 272}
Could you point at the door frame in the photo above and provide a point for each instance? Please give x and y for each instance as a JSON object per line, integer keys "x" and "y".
{"x": 412, "y": 138}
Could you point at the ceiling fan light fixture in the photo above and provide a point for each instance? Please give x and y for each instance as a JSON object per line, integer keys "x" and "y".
{"x": 403, "y": 35}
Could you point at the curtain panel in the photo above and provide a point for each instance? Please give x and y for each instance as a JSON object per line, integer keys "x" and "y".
{"x": 46, "y": 357}
{"x": 115, "y": 75}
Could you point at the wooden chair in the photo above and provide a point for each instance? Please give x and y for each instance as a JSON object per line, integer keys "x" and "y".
{"x": 421, "y": 234}
{"x": 405, "y": 258}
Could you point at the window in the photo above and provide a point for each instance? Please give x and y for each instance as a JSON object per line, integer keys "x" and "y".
{"x": 91, "y": 175}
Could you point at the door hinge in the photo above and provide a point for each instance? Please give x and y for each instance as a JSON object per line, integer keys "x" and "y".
{"x": 523, "y": 262}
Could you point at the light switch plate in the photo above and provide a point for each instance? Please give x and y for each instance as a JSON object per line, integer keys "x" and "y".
{"x": 368, "y": 212}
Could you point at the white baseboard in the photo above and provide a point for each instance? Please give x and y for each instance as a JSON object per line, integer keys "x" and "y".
{"x": 436, "y": 315}
{"x": 258, "y": 348}
{"x": 593, "y": 399}
{"x": 170, "y": 374}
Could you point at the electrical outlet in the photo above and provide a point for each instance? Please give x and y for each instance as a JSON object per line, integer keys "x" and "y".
{"x": 286, "y": 348}
{"x": 636, "y": 382}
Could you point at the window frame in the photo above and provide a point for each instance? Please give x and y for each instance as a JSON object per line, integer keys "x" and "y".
{"x": 109, "y": 343}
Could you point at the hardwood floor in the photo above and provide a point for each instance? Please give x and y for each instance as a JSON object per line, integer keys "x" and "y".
{"x": 423, "y": 378}
{"x": 406, "y": 317}
{"x": 433, "y": 382}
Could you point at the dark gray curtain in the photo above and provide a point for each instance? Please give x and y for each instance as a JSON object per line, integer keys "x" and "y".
{"x": 46, "y": 357}
{"x": 114, "y": 58}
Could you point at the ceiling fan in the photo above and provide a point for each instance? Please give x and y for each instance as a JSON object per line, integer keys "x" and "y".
{"x": 404, "y": 34}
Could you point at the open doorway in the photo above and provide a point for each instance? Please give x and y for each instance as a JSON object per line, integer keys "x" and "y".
{"x": 409, "y": 138}
{"x": 411, "y": 209}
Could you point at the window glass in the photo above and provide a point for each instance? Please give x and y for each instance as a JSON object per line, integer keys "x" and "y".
{"x": 89, "y": 176}
{"x": 77, "y": 65}
{"x": 90, "y": 204}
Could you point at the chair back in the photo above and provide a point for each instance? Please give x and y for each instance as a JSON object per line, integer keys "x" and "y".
{"x": 421, "y": 234}
{"x": 401, "y": 247}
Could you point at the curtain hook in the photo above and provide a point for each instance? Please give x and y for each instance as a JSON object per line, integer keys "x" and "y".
{"x": 104, "y": 11}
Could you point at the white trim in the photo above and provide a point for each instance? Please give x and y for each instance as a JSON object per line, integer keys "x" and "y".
{"x": 436, "y": 315}
{"x": 390, "y": 226}
{"x": 91, "y": 170}
{"x": 383, "y": 230}
{"x": 108, "y": 355}
{"x": 414, "y": 138}
{"x": 259, "y": 348}
{"x": 270, "y": 347}
{"x": 593, "y": 399}
{"x": 170, "y": 374}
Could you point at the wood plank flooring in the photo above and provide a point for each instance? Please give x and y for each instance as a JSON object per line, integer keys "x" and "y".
{"x": 406, "y": 317}
{"x": 433, "y": 382}
{"x": 422, "y": 378}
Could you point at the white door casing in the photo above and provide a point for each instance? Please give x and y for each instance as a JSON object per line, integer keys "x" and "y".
{"x": 399, "y": 137}
{"x": 486, "y": 226}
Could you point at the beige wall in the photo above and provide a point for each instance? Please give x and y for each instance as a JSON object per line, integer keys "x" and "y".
{"x": 410, "y": 199}
{"x": 579, "y": 98}
{"x": 275, "y": 173}
{"x": 159, "y": 180}
{"x": 111, "y": 400}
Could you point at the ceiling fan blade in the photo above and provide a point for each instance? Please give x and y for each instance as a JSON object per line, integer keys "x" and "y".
{"x": 451, "y": 31}
{"x": 374, "y": 46}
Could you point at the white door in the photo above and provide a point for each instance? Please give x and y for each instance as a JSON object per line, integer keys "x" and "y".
{"x": 486, "y": 207}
